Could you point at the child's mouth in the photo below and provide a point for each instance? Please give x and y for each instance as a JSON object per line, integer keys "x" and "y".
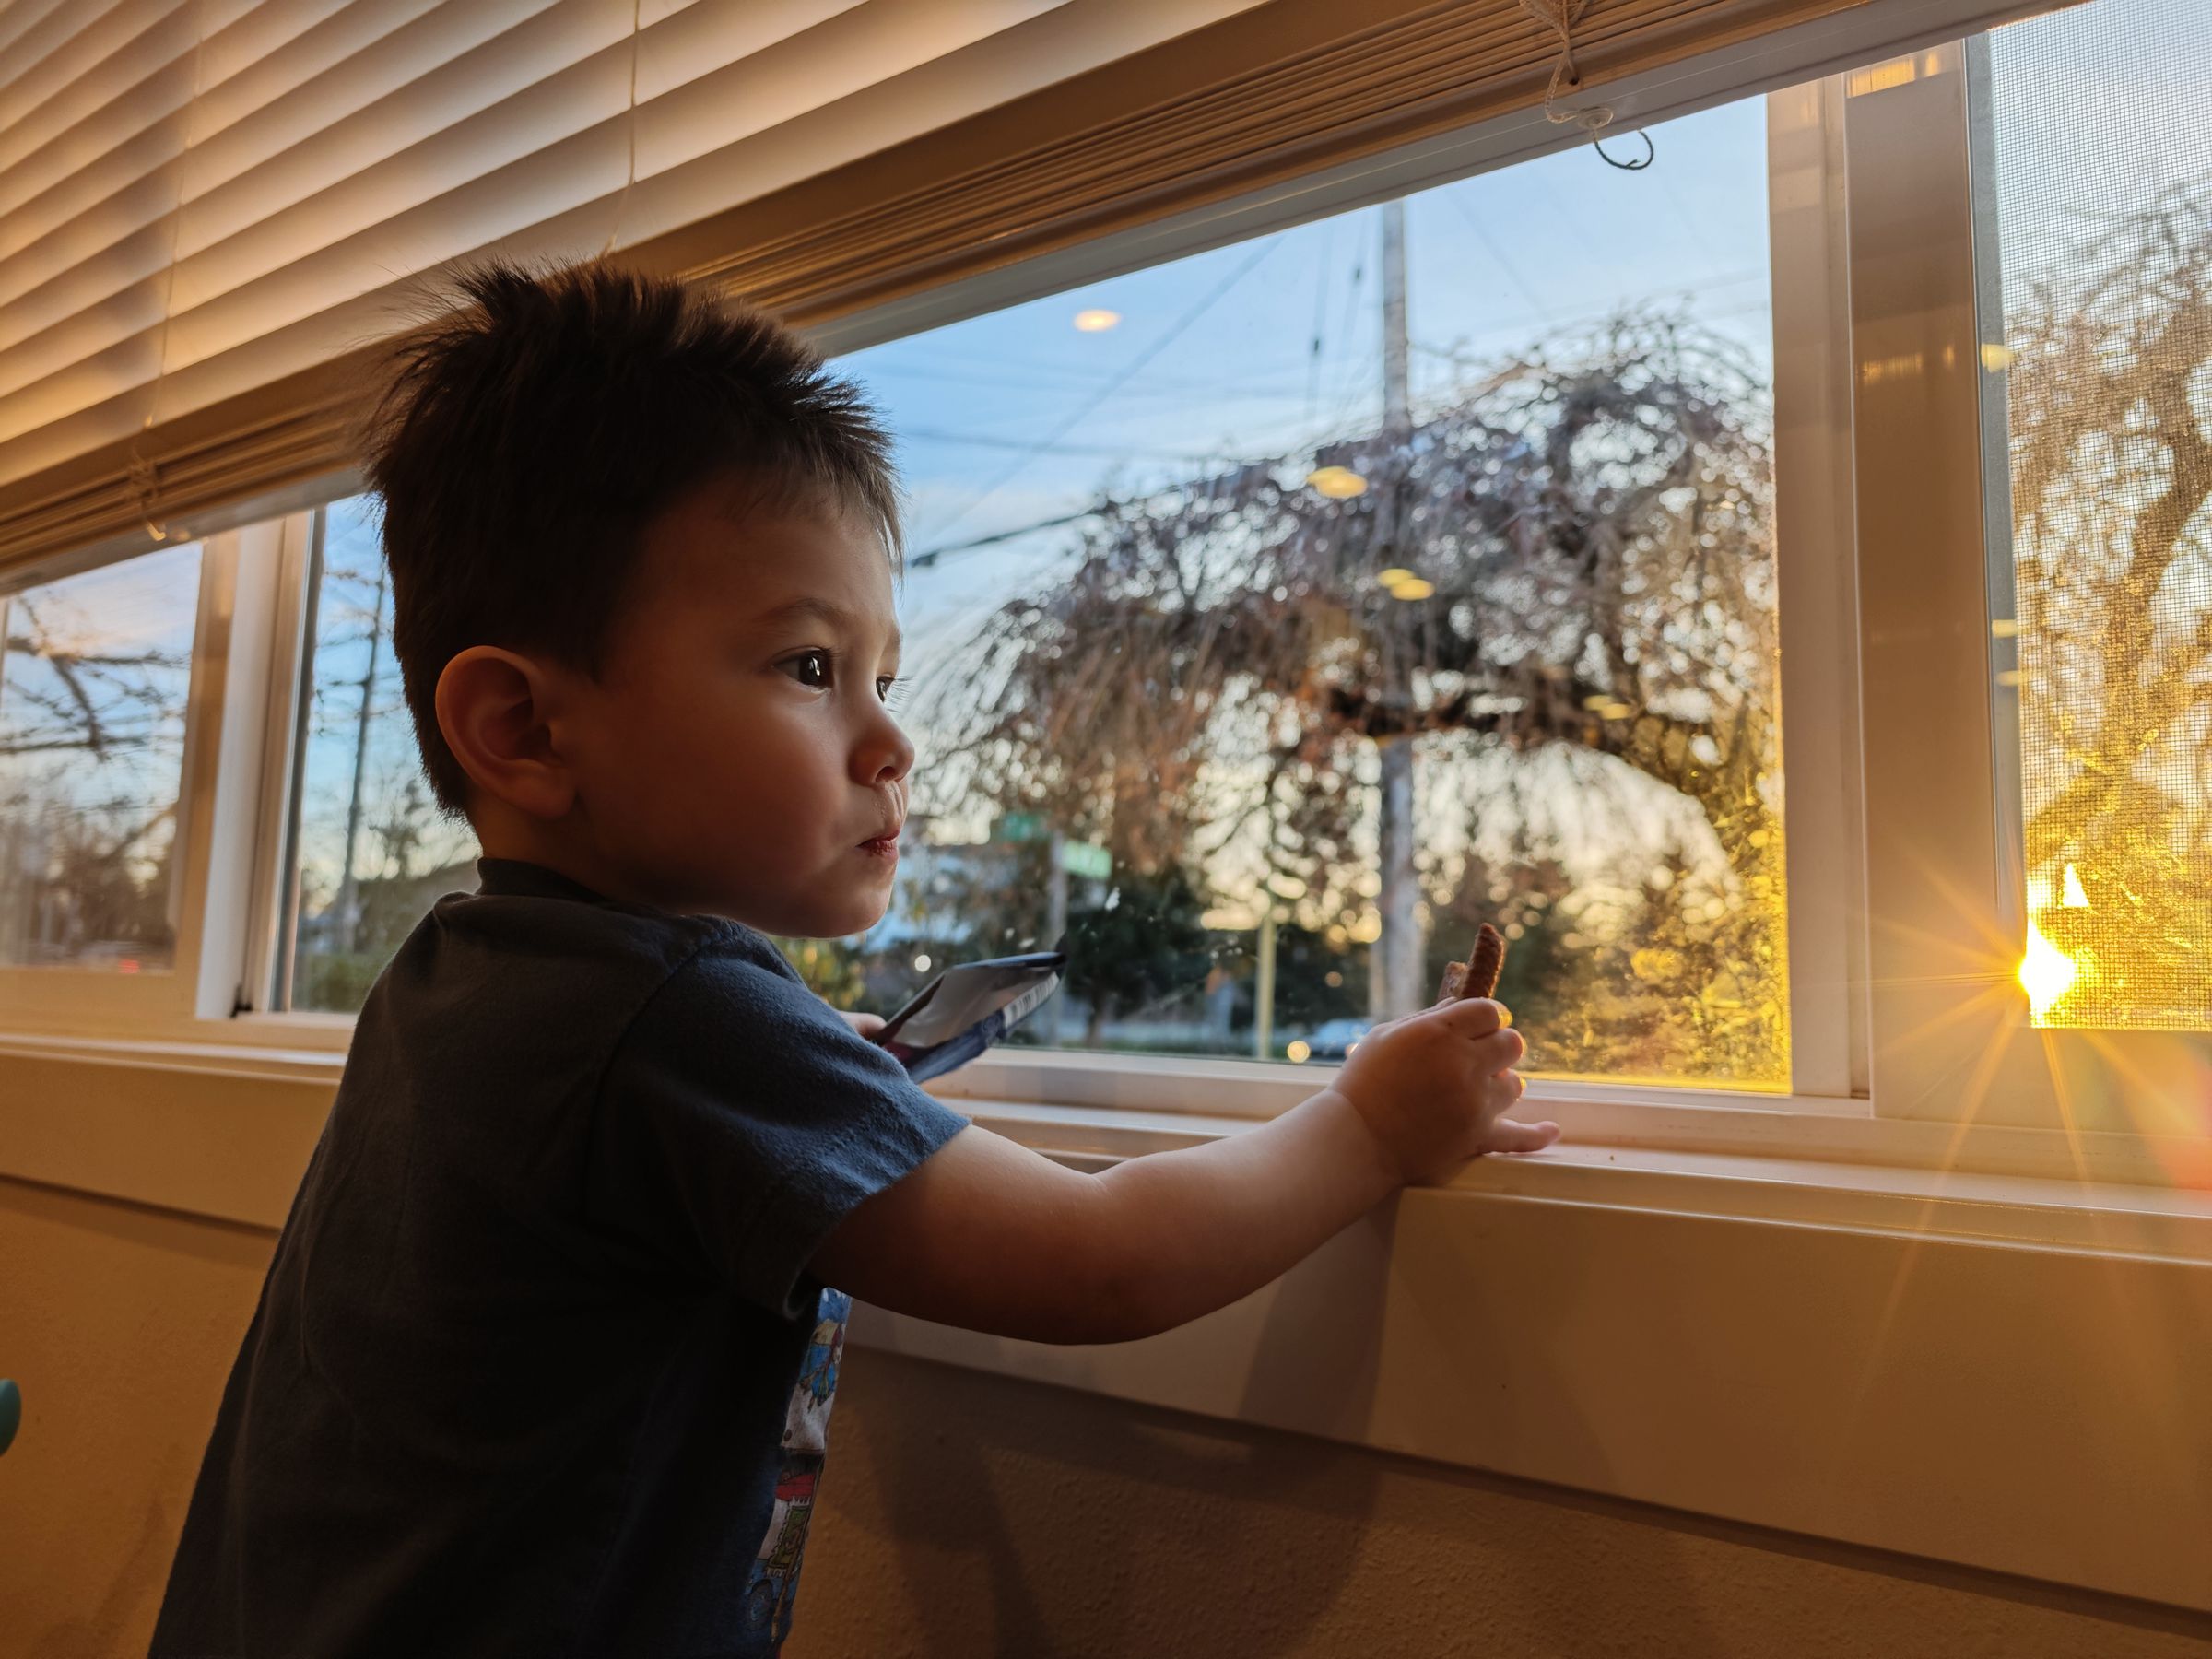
{"x": 883, "y": 846}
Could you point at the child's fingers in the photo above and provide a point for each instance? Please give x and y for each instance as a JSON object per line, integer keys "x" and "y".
{"x": 1506, "y": 1135}
{"x": 1474, "y": 1017}
{"x": 1500, "y": 1051}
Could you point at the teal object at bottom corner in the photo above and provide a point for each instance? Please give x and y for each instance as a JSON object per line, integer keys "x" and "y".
{"x": 11, "y": 1412}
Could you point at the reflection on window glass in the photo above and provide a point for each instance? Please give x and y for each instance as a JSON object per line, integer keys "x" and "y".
{"x": 93, "y": 675}
{"x": 2104, "y": 222}
{"x": 1264, "y": 654}
{"x": 372, "y": 852}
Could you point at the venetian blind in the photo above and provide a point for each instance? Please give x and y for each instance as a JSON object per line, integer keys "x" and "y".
{"x": 197, "y": 195}
{"x": 203, "y": 204}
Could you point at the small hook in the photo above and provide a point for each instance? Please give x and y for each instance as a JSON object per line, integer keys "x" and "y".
{"x": 1650, "y": 153}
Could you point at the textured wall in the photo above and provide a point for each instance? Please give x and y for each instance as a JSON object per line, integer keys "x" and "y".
{"x": 967, "y": 1515}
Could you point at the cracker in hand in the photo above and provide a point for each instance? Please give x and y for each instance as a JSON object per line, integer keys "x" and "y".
{"x": 1477, "y": 976}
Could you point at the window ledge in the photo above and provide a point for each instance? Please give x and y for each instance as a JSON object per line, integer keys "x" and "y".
{"x": 1803, "y": 1189}
{"x": 1975, "y": 1365}
{"x": 1806, "y": 1162}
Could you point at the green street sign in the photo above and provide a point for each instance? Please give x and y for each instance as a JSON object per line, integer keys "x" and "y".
{"x": 1085, "y": 858}
{"x": 1021, "y": 826}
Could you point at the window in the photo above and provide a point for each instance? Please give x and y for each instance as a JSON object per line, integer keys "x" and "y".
{"x": 2103, "y": 333}
{"x": 1513, "y": 574}
{"x": 94, "y": 671}
{"x": 1394, "y": 572}
{"x": 369, "y": 849}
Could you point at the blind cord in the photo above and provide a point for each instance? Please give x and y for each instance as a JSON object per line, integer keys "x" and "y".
{"x": 142, "y": 473}
{"x": 1560, "y": 17}
{"x": 614, "y": 232}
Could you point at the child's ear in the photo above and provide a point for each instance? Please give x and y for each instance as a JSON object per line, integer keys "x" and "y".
{"x": 496, "y": 711}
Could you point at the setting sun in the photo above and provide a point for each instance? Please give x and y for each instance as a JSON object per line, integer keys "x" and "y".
{"x": 2047, "y": 973}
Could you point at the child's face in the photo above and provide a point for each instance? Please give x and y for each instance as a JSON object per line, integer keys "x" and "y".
{"x": 736, "y": 758}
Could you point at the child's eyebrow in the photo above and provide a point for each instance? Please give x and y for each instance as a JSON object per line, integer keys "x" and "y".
{"x": 809, "y": 606}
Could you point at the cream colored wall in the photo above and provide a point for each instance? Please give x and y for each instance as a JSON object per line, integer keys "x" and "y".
{"x": 967, "y": 1514}
{"x": 120, "y": 1323}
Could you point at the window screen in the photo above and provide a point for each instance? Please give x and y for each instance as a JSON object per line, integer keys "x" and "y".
{"x": 2103, "y": 187}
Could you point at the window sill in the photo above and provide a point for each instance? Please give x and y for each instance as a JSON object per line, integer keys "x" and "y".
{"x": 1805, "y": 1161}
{"x": 1971, "y": 1364}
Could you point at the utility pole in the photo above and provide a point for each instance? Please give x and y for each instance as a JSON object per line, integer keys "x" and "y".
{"x": 1263, "y": 1001}
{"x": 1055, "y": 929}
{"x": 1397, "y": 408}
{"x": 1394, "y": 959}
{"x": 349, "y": 901}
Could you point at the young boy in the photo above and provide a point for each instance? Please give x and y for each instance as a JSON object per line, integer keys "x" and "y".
{"x": 547, "y": 1351}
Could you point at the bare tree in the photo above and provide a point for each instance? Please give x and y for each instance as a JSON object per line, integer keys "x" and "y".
{"x": 1574, "y": 551}
{"x": 2111, "y": 407}
{"x": 88, "y": 793}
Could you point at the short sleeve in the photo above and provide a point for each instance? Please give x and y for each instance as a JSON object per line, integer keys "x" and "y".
{"x": 741, "y": 1119}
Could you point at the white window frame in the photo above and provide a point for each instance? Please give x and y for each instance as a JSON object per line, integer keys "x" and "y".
{"x": 1953, "y": 1038}
{"x": 264, "y": 900}
{"x": 63, "y": 999}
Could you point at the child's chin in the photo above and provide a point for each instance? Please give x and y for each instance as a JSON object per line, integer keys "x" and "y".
{"x": 843, "y": 921}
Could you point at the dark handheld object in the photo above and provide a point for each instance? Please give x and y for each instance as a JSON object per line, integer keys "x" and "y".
{"x": 11, "y": 1412}
{"x": 966, "y": 1009}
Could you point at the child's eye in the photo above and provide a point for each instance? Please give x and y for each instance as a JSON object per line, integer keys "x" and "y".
{"x": 891, "y": 691}
{"x": 810, "y": 668}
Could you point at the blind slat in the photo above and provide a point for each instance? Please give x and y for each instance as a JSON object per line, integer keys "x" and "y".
{"x": 372, "y": 205}
{"x": 701, "y": 39}
{"x": 51, "y": 216}
{"x": 409, "y": 118}
{"x": 88, "y": 281}
{"x": 164, "y": 93}
{"x": 84, "y": 87}
{"x": 529, "y": 192}
{"x": 23, "y": 77}
{"x": 243, "y": 33}
{"x": 323, "y": 78}
{"x": 128, "y": 308}
{"x": 844, "y": 55}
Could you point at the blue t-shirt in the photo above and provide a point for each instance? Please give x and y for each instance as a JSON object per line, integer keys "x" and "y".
{"x": 538, "y": 1368}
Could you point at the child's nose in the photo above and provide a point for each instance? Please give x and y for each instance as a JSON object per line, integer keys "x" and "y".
{"x": 886, "y": 756}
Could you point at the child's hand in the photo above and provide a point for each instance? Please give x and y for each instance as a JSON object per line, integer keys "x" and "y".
{"x": 868, "y": 1025}
{"x": 1433, "y": 1089}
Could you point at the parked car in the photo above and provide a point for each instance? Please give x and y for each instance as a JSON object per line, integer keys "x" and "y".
{"x": 1333, "y": 1038}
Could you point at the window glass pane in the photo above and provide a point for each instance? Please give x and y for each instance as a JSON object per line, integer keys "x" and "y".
{"x": 2105, "y": 230}
{"x": 93, "y": 677}
{"x": 1263, "y": 658}
{"x": 372, "y": 850}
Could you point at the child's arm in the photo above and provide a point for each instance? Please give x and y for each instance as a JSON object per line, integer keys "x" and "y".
{"x": 990, "y": 1235}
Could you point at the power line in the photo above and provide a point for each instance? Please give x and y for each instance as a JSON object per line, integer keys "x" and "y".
{"x": 1490, "y": 242}
{"x": 1321, "y": 320}
{"x": 926, "y": 559}
{"x": 1110, "y": 451}
{"x": 1133, "y": 368}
